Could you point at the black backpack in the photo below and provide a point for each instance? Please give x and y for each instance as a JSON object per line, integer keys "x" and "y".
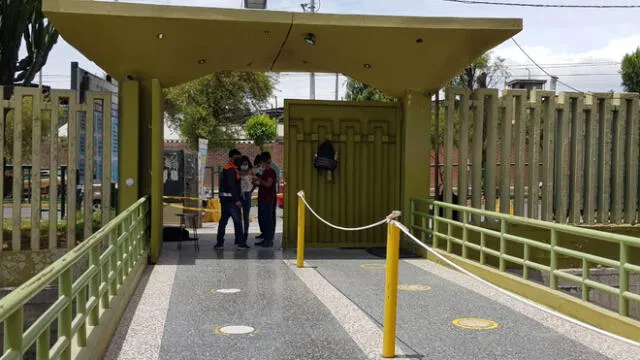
{"x": 325, "y": 158}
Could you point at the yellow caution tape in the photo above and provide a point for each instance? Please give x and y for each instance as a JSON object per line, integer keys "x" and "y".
{"x": 196, "y": 199}
{"x": 206, "y": 211}
{"x": 184, "y": 198}
{"x": 191, "y": 208}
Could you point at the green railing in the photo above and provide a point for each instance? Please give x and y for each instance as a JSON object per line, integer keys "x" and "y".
{"x": 438, "y": 224}
{"x": 101, "y": 265}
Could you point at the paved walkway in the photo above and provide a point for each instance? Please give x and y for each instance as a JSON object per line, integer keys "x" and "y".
{"x": 332, "y": 309}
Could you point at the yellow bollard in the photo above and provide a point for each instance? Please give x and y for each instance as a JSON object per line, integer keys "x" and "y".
{"x": 301, "y": 213}
{"x": 391, "y": 291}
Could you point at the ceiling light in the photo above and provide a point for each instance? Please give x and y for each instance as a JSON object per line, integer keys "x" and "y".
{"x": 255, "y": 4}
{"x": 310, "y": 39}
{"x": 367, "y": 66}
{"x": 419, "y": 41}
{"x": 160, "y": 36}
{"x": 202, "y": 61}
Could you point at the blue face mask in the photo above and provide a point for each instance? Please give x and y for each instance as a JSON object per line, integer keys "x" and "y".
{"x": 260, "y": 171}
{"x": 244, "y": 167}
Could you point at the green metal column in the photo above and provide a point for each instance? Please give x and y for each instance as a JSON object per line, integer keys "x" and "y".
{"x": 128, "y": 146}
{"x": 151, "y": 140}
{"x": 416, "y": 149}
{"x": 157, "y": 165}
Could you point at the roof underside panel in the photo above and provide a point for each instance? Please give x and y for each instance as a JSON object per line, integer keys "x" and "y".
{"x": 178, "y": 44}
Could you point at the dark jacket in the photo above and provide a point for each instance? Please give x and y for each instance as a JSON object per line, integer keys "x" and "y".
{"x": 229, "y": 189}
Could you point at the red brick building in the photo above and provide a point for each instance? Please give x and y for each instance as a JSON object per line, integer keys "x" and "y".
{"x": 217, "y": 157}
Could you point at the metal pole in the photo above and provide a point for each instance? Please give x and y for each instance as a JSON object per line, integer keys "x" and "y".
{"x": 301, "y": 224}
{"x": 337, "y": 85}
{"x": 391, "y": 292}
{"x": 312, "y": 76}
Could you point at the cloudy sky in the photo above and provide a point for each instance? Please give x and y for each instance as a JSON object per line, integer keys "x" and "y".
{"x": 583, "y": 47}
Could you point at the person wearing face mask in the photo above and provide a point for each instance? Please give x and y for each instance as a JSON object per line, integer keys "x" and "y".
{"x": 247, "y": 187}
{"x": 258, "y": 172}
{"x": 266, "y": 196}
{"x": 230, "y": 202}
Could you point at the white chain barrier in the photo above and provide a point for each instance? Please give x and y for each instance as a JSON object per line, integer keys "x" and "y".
{"x": 510, "y": 294}
{"x": 391, "y": 218}
{"x": 386, "y": 220}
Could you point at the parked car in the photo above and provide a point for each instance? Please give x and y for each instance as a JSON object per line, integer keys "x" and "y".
{"x": 44, "y": 183}
{"x": 96, "y": 196}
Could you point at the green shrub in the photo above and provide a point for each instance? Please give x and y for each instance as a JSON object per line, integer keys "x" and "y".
{"x": 61, "y": 229}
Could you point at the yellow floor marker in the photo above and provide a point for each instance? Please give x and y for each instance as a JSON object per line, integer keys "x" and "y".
{"x": 414, "y": 287}
{"x": 475, "y": 323}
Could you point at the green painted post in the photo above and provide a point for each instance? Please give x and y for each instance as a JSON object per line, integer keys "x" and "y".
{"x": 534, "y": 157}
{"x": 503, "y": 244}
{"x": 548, "y": 152}
{"x": 617, "y": 165}
{"x": 477, "y": 171}
{"x": 113, "y": 265}
{"x": 119, "y": 255}
{"x": 585, "y": 276}
{"x": 463, "y": 145}
{"x": 412, "y": 216}
{"x": 491, "y": 149}
{"x": 131, "y": 223}
{"x": 624, "y": 280}
{"x": 483, "y": 244}
{"x": 525, "y": 268}
{"x": 81, "y": 336}
{"x": 423, "y": 233}
{"x": 13, "y": 330}
{"x": 449, "y": 235}
{"x": 94, "y": 285}
{"x": 65, "y": 283}
{"x": 436, "y": 210}
{"x": 553, "y": 279}
{"x": 465, "y": 234}
{"x": 42, "y": 345}
{"x": 590, "y": 166}
{"x": 506, "y": 112}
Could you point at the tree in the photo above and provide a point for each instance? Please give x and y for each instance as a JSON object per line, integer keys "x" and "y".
{"x": 485, "y": 72}
{"x": 214, "y": 107}
{"x": 22, "y": 21}
{"x": 261, "y": 128}
{"x": 630, "y": 71}
{"x": 358, "y": 91}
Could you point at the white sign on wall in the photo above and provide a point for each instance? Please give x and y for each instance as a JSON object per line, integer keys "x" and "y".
{"x": 202, "y": 163}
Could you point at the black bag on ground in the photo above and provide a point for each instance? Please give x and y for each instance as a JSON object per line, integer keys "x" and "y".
{"x": 174, "y": 233}
{"x": 325, "y": 157}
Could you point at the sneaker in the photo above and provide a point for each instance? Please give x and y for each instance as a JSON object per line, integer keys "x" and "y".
{"x": 243, "y": 247}
{"x": 261, "y": 243}
{"x": 261, "y": 236}
{"x": 218, "y": 246}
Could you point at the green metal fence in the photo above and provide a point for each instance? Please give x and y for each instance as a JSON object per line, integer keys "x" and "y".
{"x": 449, "y": 225}
{"x": 111, "y": 254}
